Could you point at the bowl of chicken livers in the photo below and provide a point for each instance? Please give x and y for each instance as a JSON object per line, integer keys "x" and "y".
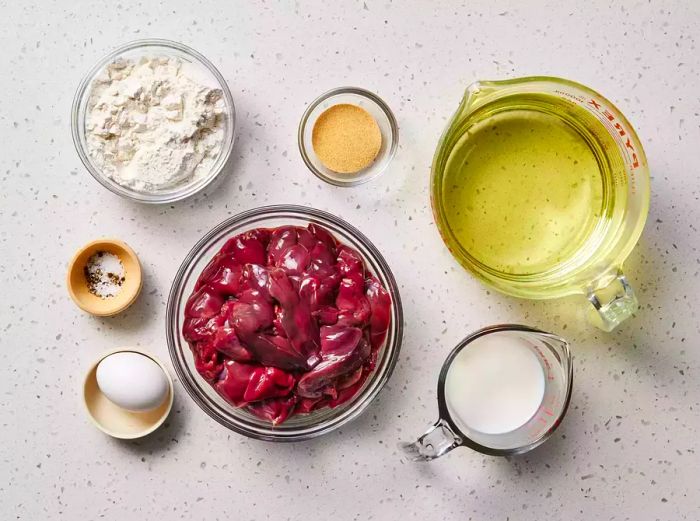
{"x": 284, "y": 323}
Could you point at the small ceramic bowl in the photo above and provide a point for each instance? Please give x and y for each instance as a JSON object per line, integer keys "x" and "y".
{"x": 373, "y": 104}
{"x": 116, "y": 421}
{"x": 78, "y": 287}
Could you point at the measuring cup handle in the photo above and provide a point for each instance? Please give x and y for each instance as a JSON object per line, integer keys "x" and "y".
{"x": 438, "y": 440}
{"x": 611, "y": 304}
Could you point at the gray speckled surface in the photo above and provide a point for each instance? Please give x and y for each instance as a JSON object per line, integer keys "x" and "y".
{"x": 629, "y": 446}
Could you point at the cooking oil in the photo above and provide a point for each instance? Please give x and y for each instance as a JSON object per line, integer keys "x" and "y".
{"x": 524, "y": 187}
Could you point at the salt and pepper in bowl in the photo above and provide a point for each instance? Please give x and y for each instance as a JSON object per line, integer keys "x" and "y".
{"x": 104, "y": 277}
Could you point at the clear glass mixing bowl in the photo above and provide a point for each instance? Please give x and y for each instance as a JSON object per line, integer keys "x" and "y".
{"x": 300, "y": 426}
{"x": 135, "y": 50}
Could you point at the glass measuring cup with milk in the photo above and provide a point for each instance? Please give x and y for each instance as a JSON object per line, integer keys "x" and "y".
{"x": 503, "y": 390}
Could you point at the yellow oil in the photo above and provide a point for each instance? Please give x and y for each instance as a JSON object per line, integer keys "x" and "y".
{"x": 523, "y": 191}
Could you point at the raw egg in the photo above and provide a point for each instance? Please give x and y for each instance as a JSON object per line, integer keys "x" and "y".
{"x": 132, "y": 381}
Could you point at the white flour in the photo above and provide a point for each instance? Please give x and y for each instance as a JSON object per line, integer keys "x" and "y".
{"x": 154, "y": 123}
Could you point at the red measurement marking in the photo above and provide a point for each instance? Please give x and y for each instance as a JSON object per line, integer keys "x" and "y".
{"x": 620, "y": 130}
{"x": 542, "y": 420}
{"x": 548, "y": 412}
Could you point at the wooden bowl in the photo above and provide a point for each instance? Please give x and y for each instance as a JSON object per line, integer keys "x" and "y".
{"x": 78, "y": 287}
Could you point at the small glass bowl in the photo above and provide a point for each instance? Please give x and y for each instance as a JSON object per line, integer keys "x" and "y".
{"x": 137, "y": 49}
{"x": 300, "y": 426}
{"x": 373, "y": 104}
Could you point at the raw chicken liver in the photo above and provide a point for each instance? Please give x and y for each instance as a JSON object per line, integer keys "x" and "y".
{"x": 286, "y": 321}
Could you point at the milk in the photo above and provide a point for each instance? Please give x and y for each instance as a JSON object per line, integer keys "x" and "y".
{"x": 495, "y": 384}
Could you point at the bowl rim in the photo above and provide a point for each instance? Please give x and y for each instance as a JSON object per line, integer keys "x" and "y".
{"x": 77, "y": 121}
{"x": 363, "y": 93}
{"x": 360, "y": 401}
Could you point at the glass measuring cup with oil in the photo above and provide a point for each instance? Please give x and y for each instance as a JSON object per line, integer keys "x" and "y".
{"x": 540, "y": 187}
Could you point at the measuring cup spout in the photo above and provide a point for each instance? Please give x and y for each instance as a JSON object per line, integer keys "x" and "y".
{"x": 611, "y": 303}
{"x": 471, "y": 96}
{"x": 439, "y": 439}
{"x": 474, "y": 96}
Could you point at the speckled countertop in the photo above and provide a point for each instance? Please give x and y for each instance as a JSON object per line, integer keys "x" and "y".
{"x": 628, "y": 448}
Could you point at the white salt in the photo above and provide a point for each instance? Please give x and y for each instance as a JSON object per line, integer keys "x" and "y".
{"x": 104, "y": 273}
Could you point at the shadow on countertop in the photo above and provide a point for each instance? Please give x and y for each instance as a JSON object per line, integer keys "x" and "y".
{"x": 163, "y": 438}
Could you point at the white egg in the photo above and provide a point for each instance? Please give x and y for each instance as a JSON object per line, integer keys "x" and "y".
{"x": 132, "y": 381}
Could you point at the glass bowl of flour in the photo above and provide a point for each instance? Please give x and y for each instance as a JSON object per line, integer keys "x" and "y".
{"x": 154, "y": 121}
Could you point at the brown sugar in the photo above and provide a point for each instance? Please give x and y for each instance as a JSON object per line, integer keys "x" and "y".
{"x": 346, "y": 138}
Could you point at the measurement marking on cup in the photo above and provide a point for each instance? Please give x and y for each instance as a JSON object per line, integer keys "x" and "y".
{"x": 546, "y": 363}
